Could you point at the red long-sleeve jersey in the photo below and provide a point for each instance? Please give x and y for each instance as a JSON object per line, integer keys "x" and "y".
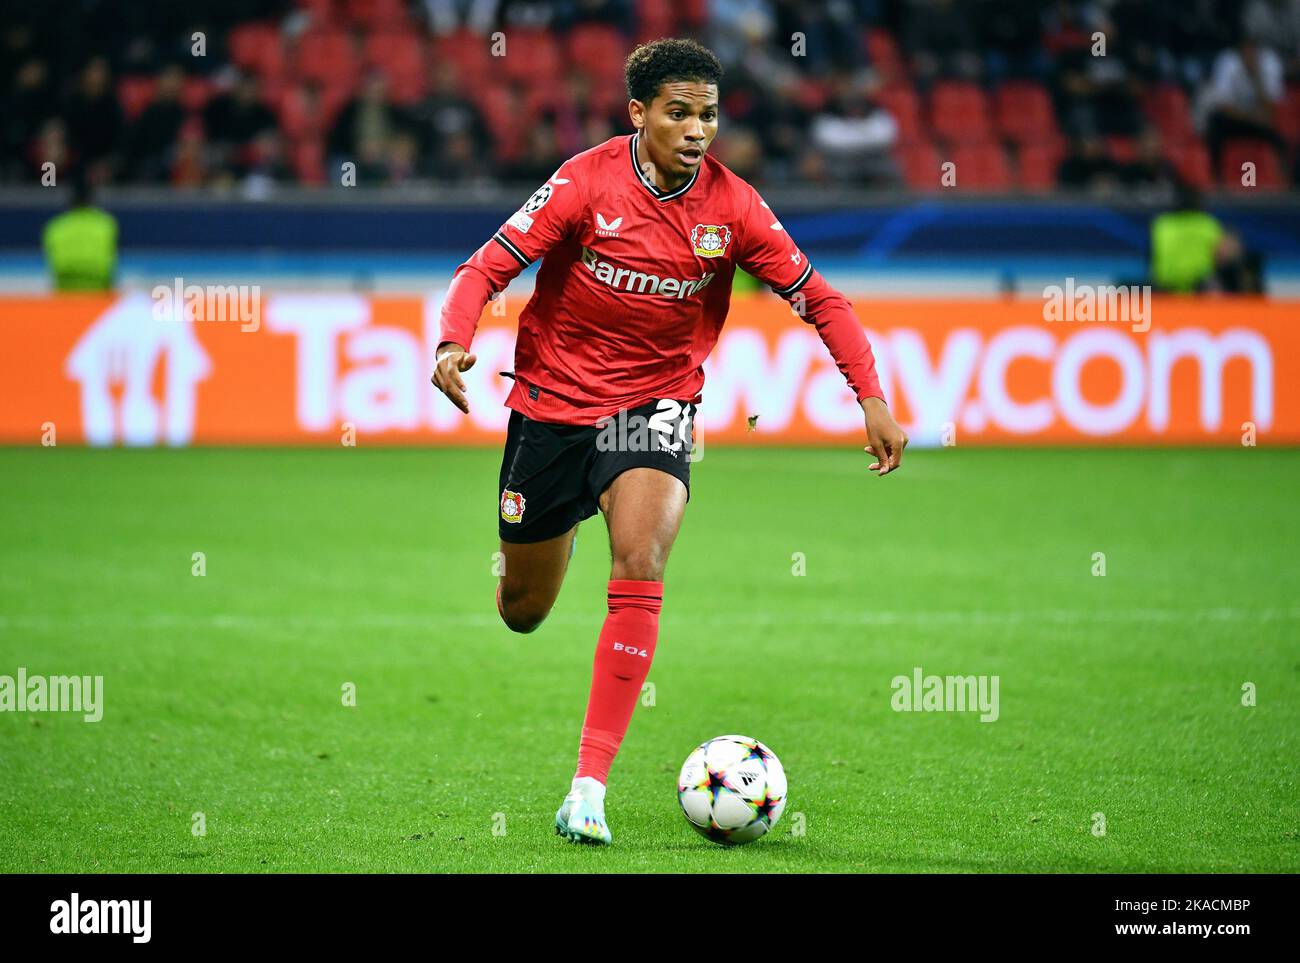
{"x": 635, "y": 284}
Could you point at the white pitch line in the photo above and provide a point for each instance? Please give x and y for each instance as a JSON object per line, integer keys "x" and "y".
{"x": 435, "y": 620}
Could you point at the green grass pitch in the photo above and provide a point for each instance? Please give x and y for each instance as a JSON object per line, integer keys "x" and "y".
{"x": 1119, "y": 695}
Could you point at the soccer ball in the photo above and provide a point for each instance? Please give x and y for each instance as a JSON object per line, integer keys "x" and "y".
{"x": 732, "y": 789}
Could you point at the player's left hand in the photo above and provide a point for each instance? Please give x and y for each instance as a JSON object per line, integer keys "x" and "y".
{"x": 885, "y": 440}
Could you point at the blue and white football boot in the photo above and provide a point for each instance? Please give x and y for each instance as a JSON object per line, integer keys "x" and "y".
{"x": 581, "y": 818}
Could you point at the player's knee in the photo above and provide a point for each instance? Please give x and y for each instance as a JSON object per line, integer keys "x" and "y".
{"x": 522, "y": 613}
{"x": 642, "y": 564}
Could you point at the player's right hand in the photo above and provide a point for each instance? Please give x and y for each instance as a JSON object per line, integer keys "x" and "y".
{"x": 452, "y": 360}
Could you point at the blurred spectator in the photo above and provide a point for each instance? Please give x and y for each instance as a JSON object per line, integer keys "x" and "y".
{"x": 741, "y": 151}
{"x": 781, "y": 124}
{"x": 460, "y": 161}
{"x": 81, "y": 244}
{"x": 446, "y": 114}
{"x": 403, "y": 158}
{"x": 1191, "y": 252}
{"x": 580, "y": 122}
{"x": 448, "y": 16}
{"x": 26, "y": 109}
{"x": 1088, "y": 167}
{"x": 234, "y": 122}
{"x": 371, "y": 158}
{"x": 1095, "y": 94}
{"x": 617, "y": 13}
{"x": 1150, "y": 171}
{"x": 854, "y": 135}
{"x": 1010, "y": 35}
{"x": 939, "y": 37}
{"x": 527, "y": 14}
{"x": 17, "y": 46}
{"x": 51, "y": 146}
{"x": 1279, "y": 21}
{"x": 152, "y": 138}
{"x": 540, "y": 159}
{"x": 782, "y": 90}
{"x": 265, "y": 164}
{"x": 95, "y": 121}
{"x": 1243, "y": 90}
{"x": 190, "y": 167}
{"x": 1144, "y": 28}
{"x": 831, "y": 30}
{"x": 366, "y": 128}
{"x": 732, "y": 23}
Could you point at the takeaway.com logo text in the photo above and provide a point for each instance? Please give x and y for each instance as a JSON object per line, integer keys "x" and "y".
{"x": 347, "y": 359}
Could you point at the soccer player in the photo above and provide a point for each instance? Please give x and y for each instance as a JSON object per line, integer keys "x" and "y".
{"x": 639, "y": 239}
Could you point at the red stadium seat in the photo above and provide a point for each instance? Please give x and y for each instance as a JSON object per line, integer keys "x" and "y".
{"x": 376, "y": 14}
{"x": 401, "y": 57}
{"x": 257, "y": 48}
{"x": 1192, "y": 161}
{"x": 323, "y": 12}
{"x": 981, "y": 167}
{"x": 1258, "y": 152}
{"x": 541, "y": 98}
{"x": 920, "y": 163}
{"x": 501, "y": 108}
{"x": 693, "y": 12}
{"x": 1037, "y": 165}
{"x": 882, "y": 49}
{"x": 134, "y": 94}
{"x": 1122, "y": 150}
{"x": 333, "y": 98}
{"x": 1167, "y": 108}
{"x": 302, "y": 116}
{"x": 959, "y": 112}
{"x": 1286, "y": 116}
{"x": 271, "y": 94}
{"x": 326, "y": 56}
{"x": 196, "y": 93}
{"x": 308, "y": 160}
{"x": 654, "y": 19}
{"x": 299, "y": 117}
{"x": 599, "y": 50}
{"x": 905, "y": 107}
{"x": 532, "y": 56}
{"x": 812, "y": 94}
{"x": 610, "y": 98}
{"x": 1023, "y": 112}
{"x": 472, "y": 56}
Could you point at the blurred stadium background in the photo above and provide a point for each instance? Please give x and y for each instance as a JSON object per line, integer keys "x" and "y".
{"x": 958, "y": 159}
{"x": 216, "y": 132}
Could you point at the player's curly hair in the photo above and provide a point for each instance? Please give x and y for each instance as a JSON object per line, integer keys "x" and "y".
{"x": 663, "y": 61}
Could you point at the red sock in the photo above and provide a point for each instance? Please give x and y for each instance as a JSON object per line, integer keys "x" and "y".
{"x": 623, "y": 655}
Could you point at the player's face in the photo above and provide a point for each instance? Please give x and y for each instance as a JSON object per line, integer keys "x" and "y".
{"x": 678, "y": 126}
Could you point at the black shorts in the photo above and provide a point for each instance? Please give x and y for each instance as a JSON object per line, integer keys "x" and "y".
{"x": 552, "y": 476}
